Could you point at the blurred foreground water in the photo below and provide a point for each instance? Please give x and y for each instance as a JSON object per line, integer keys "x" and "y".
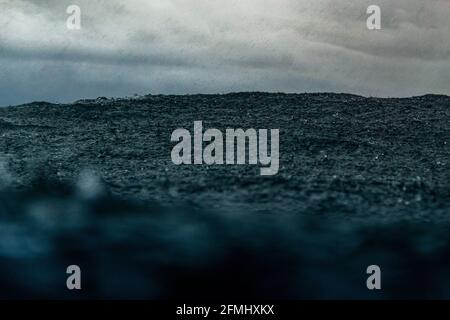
{"x": 129, "y": 249}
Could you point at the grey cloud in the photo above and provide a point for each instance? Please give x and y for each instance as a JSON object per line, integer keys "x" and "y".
{"x": 192, "y": 46}
{"x": 69, "y": 55}
{"x": 411, "y": 29}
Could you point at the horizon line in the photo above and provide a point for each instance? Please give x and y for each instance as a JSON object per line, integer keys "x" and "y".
{"x": 142, "y": 96}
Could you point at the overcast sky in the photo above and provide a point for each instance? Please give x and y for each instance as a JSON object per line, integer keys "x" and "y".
{"x": 211, "y": 46}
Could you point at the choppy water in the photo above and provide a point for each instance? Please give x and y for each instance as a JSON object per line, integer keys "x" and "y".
{"x": 362, "y": 181}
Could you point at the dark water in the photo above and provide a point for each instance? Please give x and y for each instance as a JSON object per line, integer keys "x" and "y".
{"x": 362, "y": 181}
{"x": 131, "y": 250}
